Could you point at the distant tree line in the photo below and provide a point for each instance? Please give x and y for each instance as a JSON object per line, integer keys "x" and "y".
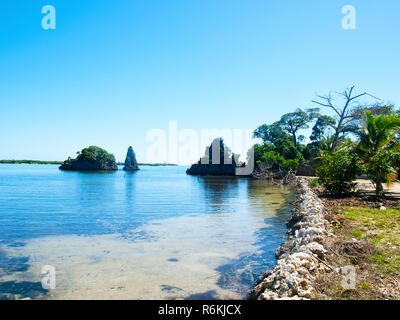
{"x": 29, "y": 162}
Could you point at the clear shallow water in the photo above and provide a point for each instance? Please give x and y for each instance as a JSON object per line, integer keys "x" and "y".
{"x": 153, "y": 234}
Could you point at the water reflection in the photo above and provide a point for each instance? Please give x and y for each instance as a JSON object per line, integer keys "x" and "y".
{"x": 130, "y": 188}
{"x": 152, "y": 234}
{"x": 218, "y": 193}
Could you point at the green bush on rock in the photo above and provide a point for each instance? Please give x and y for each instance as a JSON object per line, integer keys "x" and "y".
{"x": 96, "y": 154}
{"x": 91, "y": 158}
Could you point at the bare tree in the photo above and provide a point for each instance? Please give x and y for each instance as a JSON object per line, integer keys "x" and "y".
{"x": 344, "y": 115}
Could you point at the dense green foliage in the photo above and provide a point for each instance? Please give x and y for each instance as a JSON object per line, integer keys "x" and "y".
{"x": 293, "y": 122}
{"x": 276, "y": 159}
{"x": 282, "y": 149}
{"x": 96, "y": 154}
{"x": 338, "y": 169}
{"x": 379, "y": 147}
{"x": 278, "y": 151}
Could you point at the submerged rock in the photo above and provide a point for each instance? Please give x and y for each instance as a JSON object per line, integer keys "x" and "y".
{"x": 130, "y": 161}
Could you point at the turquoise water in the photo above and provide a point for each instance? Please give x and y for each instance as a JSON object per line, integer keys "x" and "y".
{"x": 152, "y": 234}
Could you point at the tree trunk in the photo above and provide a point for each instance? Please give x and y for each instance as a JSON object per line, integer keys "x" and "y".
{"x": 294, "y": 140}
{"x": 379, "y": 189}
{"x": 378, "y": 185}
{"x": 336, "y": 137}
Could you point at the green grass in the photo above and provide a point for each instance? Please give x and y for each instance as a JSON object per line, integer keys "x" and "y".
{"x": 377, "y": 261}
{"x": 378, "y": 226}
{"x": 365, "y": 285}
{"x": 313, "y": 182}
{"x": 382, "y": 228}
{"x": 387, "y": 262}
{"x": 357, "y": 234}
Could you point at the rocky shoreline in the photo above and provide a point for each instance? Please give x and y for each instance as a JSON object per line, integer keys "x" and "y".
{"x": 300, "y": 259}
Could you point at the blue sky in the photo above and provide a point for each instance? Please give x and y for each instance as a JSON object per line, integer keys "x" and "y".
{"x": 113, "y": 70}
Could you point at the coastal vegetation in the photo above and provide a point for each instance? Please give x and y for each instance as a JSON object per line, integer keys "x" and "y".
{"x": 96, "y": 154}
{"x": 91, "y": 158}
{"x": 379, "y": 145}
{"x": 340, "y": 248}
{"x": 355, "y": 145}
{"x": 338, "y": 169}
{"x": 358, "y": 139}
{"x": 29, "y": 162}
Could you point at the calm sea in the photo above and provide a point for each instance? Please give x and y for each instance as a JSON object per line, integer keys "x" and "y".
{"x": 153, "y": 234}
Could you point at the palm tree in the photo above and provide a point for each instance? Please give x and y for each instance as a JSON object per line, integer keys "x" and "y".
{"x": 377, "y": 131}
{"x": 376, "y": 134}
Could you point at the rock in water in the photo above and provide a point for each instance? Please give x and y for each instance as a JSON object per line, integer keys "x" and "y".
{"x": 218, "y": 160}
{"x": 91, "y": 159}
{"x": 130, "y": 161}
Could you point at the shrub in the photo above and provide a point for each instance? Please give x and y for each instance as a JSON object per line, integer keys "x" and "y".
{"x": 313, "y": 183}
{"x": 379, "y": 147}
{"x": 380, "y": 168}
{"x": 278, "y": 162}
{"x": 291, "y": 164}
{"x": 338, "y": 169}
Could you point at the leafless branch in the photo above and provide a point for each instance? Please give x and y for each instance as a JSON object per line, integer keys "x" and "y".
{"x": 344, "y": 114}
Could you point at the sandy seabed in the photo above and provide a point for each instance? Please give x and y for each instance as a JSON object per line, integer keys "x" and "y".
{"x": 174, "y": 258}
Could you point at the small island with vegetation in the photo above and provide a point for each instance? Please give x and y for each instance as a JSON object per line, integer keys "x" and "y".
{"x": 91, "y": 159}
